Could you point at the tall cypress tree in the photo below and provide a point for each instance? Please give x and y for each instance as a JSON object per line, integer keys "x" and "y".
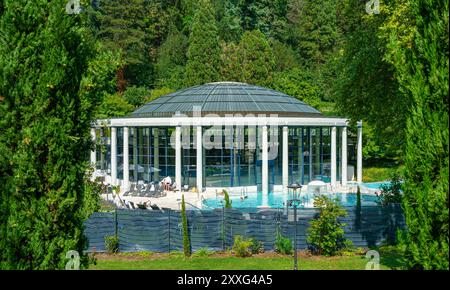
{"x": 46, "y": 107}
{"x": 421, "y": 61}
{"x": 204, "y": 50}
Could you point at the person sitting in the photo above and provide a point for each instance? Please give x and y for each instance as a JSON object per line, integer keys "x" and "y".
{"x": 166, "y": 182}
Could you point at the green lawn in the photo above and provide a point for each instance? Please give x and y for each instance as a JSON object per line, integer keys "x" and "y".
{"x": 225, "y": 261}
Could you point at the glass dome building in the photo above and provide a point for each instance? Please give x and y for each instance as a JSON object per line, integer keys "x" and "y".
{"x": 225, "y": 134}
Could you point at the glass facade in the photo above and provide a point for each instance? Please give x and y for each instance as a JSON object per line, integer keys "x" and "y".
{"x": 231, "y": 155}
{"x": 103, "y": 149}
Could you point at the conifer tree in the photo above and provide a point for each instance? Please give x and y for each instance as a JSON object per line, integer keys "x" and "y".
{"x": 204, "y": 50}
{"x": 186, "y": 241}
{"x": 121, "y": 27}
{"x": 171, "y": 60}
{"x": 46, "y": 106}
{"x": 421, "y": 62}
{"x": 256, "y": 58}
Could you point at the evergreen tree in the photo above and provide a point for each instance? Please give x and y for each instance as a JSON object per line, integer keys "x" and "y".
{"x": 122, "y": 28}
{"x": 204, "y": 50}
{"x": 48, "y": 93}
{"x": 230, "y": 68}
{"x": 256, "y": 58}
{"x": 160, "y": 18}
{"x": 186, "y": 241}
{"x": 420, "y": 55}
{"x": 267, "y": 16}
{"x": 171, "y": 60}
{"x": 313, "y": 29}
{"x": 285, "y": 57}
{"x": 230, "y": 25}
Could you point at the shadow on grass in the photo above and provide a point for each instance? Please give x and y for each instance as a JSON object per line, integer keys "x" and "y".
{"x": 393, "y": 261}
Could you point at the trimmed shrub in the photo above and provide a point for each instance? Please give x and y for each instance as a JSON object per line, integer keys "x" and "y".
{"x": 112, "y": 244}
{"x": 257, "y": 246}
{"x": 242, "y": 247}
{"x": 326, "y": 234}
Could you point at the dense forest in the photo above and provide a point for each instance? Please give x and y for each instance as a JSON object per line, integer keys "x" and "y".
{"x": 384, "y": 62}
{"x": 331, "y": 54}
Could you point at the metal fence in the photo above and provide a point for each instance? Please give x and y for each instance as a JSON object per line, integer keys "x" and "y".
{"x": 161, "y": 231}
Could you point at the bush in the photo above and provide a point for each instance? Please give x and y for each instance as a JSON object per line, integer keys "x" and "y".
{"x": 391, "y": 193}
{"x": 326, "y": 234}
{"x": 203, "y": 252}
{"x": 283, "y": 245}
{"x": 136, "y": 96}
{"x": 242, "y": 247}
{"x": 257, "y": 246}
{"x": 112, "y": 244}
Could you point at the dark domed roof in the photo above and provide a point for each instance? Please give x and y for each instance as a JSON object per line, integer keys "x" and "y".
{"x": 226, "y": 98}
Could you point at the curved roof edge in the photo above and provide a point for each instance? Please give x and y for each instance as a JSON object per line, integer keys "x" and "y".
{"x": 222, "y": 98}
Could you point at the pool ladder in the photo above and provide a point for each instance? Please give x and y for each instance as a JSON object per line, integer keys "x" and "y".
{"x": 244, "y": 193}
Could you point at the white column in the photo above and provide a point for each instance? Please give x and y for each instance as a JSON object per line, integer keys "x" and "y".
{"x": 93, "y": 152}
{"x": 199, "y": 145}
{"x": 114, "y": 155}
{"x": 265, "y": 166}
{"x": 344, "y": 157}
{"x": 359, "y": 154}
{"x": 126, "y": 161}
{"x": 178, "y": 157}
{"x": 156, "y": 153}
{"x": 135, "y": 155}
{"x": 285, "y": 159}
{"x": 333, "y": 157}
{"x": 310, "y": 154}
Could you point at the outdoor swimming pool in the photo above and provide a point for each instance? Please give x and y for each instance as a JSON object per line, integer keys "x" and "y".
{"x": 277, "y": 199}
{"x": 376, "y": 185}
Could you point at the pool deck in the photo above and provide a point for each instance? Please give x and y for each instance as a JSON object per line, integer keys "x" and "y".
{"x": 194, "y": 200}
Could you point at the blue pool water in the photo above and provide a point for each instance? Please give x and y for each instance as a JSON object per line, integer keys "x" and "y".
{"x": 375, "y": 185}
{"x": 276, "y": 200}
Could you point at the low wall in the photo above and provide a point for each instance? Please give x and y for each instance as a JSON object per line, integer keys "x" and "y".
{"x": 144, "y": 230}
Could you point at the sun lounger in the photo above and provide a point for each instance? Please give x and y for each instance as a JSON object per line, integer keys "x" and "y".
{"x": 132, "y": 189}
